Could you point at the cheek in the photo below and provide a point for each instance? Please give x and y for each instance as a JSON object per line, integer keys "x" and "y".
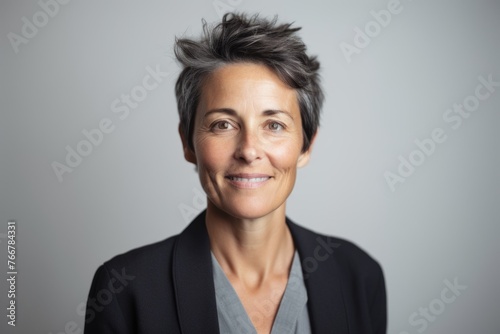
{"x": 211, "y": 154}
{"x": 284, "y": 157}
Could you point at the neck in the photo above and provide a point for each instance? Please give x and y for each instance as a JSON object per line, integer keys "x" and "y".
{"x": 250, "y": 249}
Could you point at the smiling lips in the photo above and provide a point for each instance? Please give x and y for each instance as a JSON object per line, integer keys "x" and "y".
{"x": 247, "y": 180}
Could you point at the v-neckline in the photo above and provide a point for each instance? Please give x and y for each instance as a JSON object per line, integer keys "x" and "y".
{"x": 230, "y": 309}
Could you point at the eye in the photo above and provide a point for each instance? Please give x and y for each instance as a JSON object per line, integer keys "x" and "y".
{"x": 221, "y": 126}
{"x": 275, "y": 126}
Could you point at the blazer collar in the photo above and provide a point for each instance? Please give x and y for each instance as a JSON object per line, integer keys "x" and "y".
{"x": 327, "y": 312}
{"x": 195, "y": 291}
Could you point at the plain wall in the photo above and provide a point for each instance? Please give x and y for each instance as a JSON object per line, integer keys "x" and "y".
{"x": 135, "y": 188}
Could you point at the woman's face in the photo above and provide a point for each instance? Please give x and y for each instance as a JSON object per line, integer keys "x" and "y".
{"x": 247, "y": 140}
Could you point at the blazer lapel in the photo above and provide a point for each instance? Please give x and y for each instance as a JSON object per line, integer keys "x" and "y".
{"x": 193, "y": 280}
{"x": 195, "y": 291}
{"x": 325, "y": 303}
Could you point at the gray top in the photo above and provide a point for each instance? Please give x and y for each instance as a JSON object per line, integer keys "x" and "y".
{"x": 292, "y": 316}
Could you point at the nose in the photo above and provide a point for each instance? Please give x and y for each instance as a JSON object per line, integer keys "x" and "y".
{"x": 249, "y": 147}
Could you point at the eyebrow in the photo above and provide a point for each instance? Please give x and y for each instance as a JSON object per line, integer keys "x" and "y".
{"x": 232, "y": 112}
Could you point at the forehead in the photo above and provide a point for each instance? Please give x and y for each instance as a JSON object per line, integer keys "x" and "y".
{"x": 237, "y": 85}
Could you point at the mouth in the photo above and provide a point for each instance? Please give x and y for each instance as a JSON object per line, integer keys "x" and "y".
{"x": 244, "y": 179}
{"x": 247, "y": 180}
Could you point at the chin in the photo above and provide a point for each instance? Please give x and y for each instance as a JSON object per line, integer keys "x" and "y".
{"x": 247, "y": 209}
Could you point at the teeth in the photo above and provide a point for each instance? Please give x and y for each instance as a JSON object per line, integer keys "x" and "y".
{"x": 242, "y": 179}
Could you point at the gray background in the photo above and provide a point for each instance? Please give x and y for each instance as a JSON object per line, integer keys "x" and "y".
{"x": 442, "y": 223}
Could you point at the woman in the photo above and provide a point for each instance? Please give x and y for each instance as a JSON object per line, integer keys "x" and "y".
{"x": 249, "y": 100}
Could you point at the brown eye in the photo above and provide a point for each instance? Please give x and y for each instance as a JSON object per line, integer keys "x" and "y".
{"x": 222, "y": 125}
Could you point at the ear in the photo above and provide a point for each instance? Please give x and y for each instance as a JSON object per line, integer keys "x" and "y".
{"x": 188, "y": 152}
{"x": 305, "y": 156}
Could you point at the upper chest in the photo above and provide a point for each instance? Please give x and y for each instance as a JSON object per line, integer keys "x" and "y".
{"x": 261, "y": 303}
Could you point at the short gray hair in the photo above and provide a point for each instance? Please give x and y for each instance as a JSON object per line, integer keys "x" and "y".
{"x": 237, "y": 39}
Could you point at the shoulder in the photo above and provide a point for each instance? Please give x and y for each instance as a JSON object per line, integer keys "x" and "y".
{"x": 144, "y": 257}
{"x": 341, "y": 264}
{"x": 152, "y": 263}
{"x": 130, "y": 286}
{"x": 137, "y": 269}
{"x": 352, "y": 260}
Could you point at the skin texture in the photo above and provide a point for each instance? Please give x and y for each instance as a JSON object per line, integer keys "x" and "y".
{"x": 248, "y": 125}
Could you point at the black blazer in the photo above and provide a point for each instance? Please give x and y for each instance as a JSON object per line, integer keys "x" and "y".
{"x": 167, "y": 287}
